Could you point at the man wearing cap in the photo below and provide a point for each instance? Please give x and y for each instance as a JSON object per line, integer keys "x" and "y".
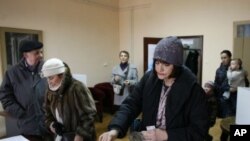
{"x": 171, "y": 101}
{"x": 22, "y": 91}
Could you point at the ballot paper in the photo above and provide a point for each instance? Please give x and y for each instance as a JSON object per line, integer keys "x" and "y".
{"x": 15, "y": 138}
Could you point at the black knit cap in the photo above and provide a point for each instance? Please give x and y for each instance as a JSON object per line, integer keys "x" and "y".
{"x": 29, "y": 45}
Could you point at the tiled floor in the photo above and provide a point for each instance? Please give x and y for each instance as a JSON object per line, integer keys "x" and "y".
{"x": 102, "y": 127}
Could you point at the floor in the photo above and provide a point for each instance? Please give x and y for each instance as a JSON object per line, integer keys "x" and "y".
{"x": 102, "y": 127}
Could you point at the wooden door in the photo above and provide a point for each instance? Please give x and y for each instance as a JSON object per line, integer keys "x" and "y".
{"x": 246, "y": 55}
{"x": 241, "y": 47}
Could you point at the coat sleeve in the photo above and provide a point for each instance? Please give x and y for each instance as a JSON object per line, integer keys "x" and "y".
{"x": 87, "y": 111}
{"x": 49, "y": 118}
{"x": 8, "y": 99}
{"x": 130, "y": 108}
{"x": 196, "y": 112}
{"x": 134, "y": 76}
{"x": 116, "y": 72}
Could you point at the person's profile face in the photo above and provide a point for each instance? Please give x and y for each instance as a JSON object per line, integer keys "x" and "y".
{"x": 123, "y": 57}
{"x": 33, "y": 57}
{"x": 163, "y": 69}
{"x": 225, "y": 59}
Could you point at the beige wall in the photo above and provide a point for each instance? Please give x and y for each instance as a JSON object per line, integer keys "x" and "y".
{"x": 160, "y": 18}
{"x": 88, "y": 35}
{"x": 83, "y": 34}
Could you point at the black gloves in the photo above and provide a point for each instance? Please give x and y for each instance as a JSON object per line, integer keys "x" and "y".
{"x": 58, "y": 128}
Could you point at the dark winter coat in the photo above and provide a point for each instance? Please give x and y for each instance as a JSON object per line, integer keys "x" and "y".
{"x": 22, "y": 95}
{"x": 221, "y": 82}
{"x": 75, "y": 105}
{"x": 212, "y": 109}
{"x": 186, "y": 108}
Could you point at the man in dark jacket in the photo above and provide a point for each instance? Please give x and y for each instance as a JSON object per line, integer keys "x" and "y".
{"x": 22, "y": 91}
{"x": 172, "y": 103}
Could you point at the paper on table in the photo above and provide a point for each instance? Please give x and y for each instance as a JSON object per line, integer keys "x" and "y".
{"x": 15, "y": 138}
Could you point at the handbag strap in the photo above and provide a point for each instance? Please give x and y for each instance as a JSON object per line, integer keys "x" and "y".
{"x": 126, "y": 73}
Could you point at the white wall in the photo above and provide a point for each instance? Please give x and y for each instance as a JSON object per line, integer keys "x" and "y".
{"x": 160, "y": 18}
{"x": 87, "y": 35}
{"x": 84, "y": 34}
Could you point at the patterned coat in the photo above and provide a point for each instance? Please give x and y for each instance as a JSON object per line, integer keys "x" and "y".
{"x": 75, "y": 106}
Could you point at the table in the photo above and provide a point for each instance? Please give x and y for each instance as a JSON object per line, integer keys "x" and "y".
{"x": 225, "y": 127}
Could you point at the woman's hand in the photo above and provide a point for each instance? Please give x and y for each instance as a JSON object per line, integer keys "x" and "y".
{"x": 155, "y": 135}
{"x": 109, "y": 136}
{"x": 78, "y": 138}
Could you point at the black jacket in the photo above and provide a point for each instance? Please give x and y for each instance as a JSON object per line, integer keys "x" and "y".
{"x": 186, "y": 108}
{"x": 22, "y": 95}
{"x": 221, "y": 82}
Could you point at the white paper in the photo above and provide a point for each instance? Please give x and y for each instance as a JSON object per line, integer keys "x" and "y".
{"x": 150, "y": 127}
{"x": 243, "y": 104}
{"x": 15, "y": 138}
{"x": 81, "y": 77}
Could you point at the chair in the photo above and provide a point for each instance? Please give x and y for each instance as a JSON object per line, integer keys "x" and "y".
{"x": 98, "y": 96}
{"x": 108, "y": 101}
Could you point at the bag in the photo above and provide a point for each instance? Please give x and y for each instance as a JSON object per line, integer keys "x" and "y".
{"x": 68, "y": 136}
{"x": 118, "y": 89}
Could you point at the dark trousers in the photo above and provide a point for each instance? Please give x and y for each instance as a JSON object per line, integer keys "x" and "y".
{"x": 233, "y": 100}
{"x": 224, "y": 108}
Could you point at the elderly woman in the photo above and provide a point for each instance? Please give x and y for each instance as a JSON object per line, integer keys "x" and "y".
{"x": 172, "y": 103}
{"x": 70, "y": 109}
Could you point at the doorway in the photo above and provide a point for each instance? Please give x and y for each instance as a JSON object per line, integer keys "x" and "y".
{"x": 193, "y": 53}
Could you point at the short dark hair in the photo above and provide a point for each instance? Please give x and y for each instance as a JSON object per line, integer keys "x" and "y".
{"x": 176, "y": 70}
{"x": 124, "y": 51}
{"x": 229, "y": 54}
